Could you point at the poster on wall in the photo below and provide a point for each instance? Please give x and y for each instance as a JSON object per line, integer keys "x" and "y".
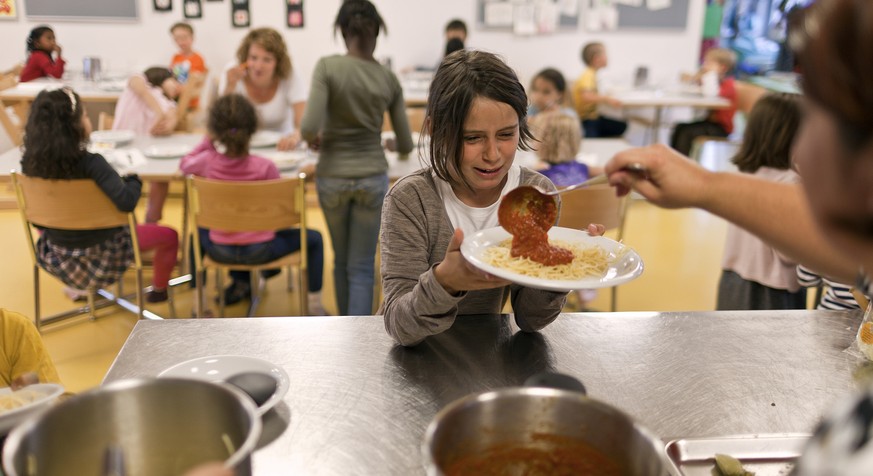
{"x": 8, "y": 10}
{"x": 239, "y": 14}
{"x": 295, "y": 13}
{"x": 192, "y": 9}
{"x": 163, "y": 5}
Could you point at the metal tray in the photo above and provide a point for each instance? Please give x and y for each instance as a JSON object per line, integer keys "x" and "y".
{"x": 764, "y": 454}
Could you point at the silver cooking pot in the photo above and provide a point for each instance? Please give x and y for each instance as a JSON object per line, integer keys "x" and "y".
{"x": 536, "y": 430}
{"x": 143, "y": 426}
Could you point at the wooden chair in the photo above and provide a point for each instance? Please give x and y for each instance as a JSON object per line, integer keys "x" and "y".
{"x": 74, "y": 205}
{"x": 248, "y": 206}
{"x": 104, "y": 121}
{"x": 595, "y": 204}
{"x": 9, "y": 79}
{"x": 747, "y": 95}
{"x": 415, "y": 116}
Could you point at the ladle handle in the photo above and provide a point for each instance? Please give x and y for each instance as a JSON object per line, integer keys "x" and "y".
{"x": 600, "y": 179}
{"x": 555, "y": 380}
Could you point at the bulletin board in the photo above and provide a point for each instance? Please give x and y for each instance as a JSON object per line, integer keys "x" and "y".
{"x": 674, "y": 16}
{"x": 108, "y": 10}
{"x": 528, "y": 17}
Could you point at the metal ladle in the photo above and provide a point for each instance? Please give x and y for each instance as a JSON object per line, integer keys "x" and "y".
{"x": 528, "y": 199}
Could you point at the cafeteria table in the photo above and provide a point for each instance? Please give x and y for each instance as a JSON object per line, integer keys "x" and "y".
{"x": 360, "y": 404}
{"x": 663, "y": 99}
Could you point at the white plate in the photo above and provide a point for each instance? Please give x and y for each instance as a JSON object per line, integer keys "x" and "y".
{"x": 284, "y": 160}
{"x": 113, "y": 137}
{"x": 218, "y": 368}
{"x": 627, "y": 268}
{"x": 49, "y": 393}
{"x": 263, "y": 139}
{"x": 167, "y": 151}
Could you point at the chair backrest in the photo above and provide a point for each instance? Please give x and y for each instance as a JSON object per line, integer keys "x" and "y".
{"x": 66, "y": 204}
{"x": 416, "y": 118}
{"x": 104, "y": 121}
{"x": 596, "y": 204}
{"x": 264, "y": 205}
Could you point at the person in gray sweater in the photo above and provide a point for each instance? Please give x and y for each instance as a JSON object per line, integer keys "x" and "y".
{"x": 476, "y": 115}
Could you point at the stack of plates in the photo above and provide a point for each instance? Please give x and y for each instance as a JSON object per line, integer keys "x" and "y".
{"x": 113, "y": 138}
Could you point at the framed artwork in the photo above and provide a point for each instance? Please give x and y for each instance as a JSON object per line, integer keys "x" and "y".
{"x": 8, "y": 10}
{"x": 192, "y": 9}
{"x": 295, "y": 13}
{"x": 163, "y": 5}
{"x": 239, "y": 14}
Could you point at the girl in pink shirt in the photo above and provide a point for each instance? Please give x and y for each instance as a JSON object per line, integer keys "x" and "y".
{"x": 232, "y": 122}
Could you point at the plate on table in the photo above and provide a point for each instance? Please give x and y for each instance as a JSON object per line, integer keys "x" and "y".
{"x": 623, "y": 263}
{"x": 285, "y": 160}
{"x": 18, "y": 405}
{"x": 167, "y": 151}
{"x": 262, "y": 139}
{"x": 218, "y": 368}
{"x": 763, "y": 455}
{"x": 112, "y": 137}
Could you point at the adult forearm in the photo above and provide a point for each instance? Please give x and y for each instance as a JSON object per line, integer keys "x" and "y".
{"x": 780, "y": 215}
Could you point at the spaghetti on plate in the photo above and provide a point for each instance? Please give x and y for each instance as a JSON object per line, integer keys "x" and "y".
{"x": 587, "y": 261}
{"x": 17, "y": 399}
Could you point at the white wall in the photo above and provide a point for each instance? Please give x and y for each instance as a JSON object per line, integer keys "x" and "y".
{"x": 136, "y": 45}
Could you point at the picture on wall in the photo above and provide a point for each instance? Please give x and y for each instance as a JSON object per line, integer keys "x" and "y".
{"x": 295, "y": 13}
{"x": 8, "y": 10}
{"x": 240, "y": 16}
{"x": 163, "y": 5}
{"x": 192, "y": 9}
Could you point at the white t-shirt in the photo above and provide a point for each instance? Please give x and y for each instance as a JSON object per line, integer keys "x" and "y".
{"x": 470, "y": 219}
{"x": 276, "y": 114}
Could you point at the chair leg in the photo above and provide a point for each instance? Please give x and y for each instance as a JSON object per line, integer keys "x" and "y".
{"x": 614, "y": 301}
{"x": 199, "y": 304}
{"x": 140, "y": 302}
{"x": 290, "y": 278}
{"x": 255, "y": 282}
{"x": 36, "y": 310}
{"x": 171, "y": 304}
{"x": 302, "y": 291}
{"x": 92, "y": 315}
{"x": 219, "y": 282}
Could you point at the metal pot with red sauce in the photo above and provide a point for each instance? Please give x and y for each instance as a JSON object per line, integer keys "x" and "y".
{"x": 528, "y": 215}
{"x": 548, "y": 427}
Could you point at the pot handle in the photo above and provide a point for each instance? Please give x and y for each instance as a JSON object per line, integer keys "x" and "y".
{"x": 557, "y": 381}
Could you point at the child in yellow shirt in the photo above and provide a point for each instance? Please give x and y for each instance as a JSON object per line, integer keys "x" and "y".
{"x": 587, "y": 98}
{"x": 22, "y": 352}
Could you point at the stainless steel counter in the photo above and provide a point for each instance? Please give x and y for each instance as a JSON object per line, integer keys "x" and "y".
{"x": 358, "y": 404}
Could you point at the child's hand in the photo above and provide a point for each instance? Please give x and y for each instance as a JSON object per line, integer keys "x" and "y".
{"x": 165, "y": 125}
{"x": 315, "y": 144}
{"x": 614, "y": 102}
{"x": 57, "y": 49}
{"x": 455, "y": 274}
{"x": 596, "y": 229}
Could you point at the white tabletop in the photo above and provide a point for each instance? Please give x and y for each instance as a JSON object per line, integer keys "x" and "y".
{"x": 593, "y": 152}
{"x": 668, "y": 98}
{"x": 96, "y": 91}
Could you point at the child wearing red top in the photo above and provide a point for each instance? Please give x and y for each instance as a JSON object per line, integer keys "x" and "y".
{"x": 40, "y": 63}
{"x": 719, "y": 122}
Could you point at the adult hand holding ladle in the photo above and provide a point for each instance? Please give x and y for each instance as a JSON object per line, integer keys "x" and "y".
{"x": 530, "y": 205}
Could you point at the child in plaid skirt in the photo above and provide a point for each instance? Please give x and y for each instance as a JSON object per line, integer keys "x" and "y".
{"x": 54, "y": 148}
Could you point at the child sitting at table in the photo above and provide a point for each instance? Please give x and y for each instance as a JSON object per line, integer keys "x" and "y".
{"x": 547, "y": 94}
{"x": 559, "y": 143}
{"x": 147, "y": 107}
{"x": 587, "y": 98}
{"x": 23, "y": 356}
{"x": 477, "y": 120}
{"x": 224, "y": 155}
{"x": 54, "y": 148}
{"x": 718, "y": 62}
{"x": 755, "y": 276}
{"x": 41, "y": 45}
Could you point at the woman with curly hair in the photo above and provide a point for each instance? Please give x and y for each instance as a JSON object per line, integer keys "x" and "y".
{"x": 264, "y": 76}
{"x": 55, "y": 136}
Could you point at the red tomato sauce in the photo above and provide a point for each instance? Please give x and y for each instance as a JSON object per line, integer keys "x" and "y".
{"x": 530, "y": 238}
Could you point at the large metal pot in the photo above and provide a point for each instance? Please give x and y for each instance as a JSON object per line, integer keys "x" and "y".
{"x": 540, "y": 430}
{"x": 155, "y": 426}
